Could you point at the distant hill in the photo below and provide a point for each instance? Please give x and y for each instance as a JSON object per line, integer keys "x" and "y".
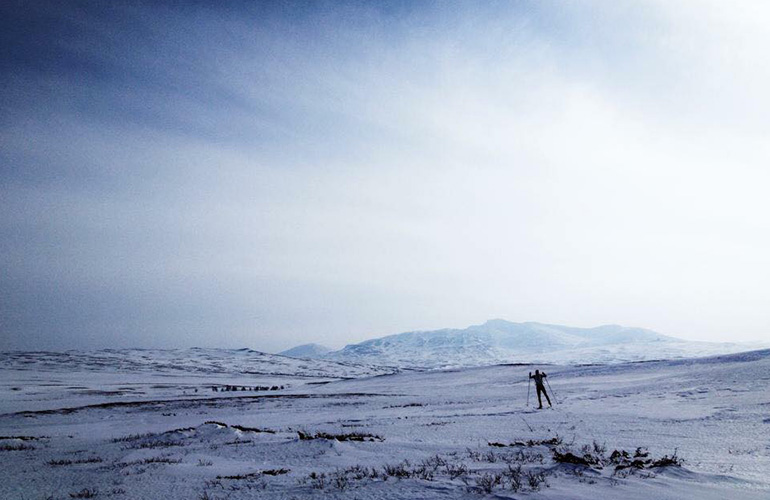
{"x": 499, "y": 341}
{"x": 236, "y": 362}
{"x": 311, "y": 351}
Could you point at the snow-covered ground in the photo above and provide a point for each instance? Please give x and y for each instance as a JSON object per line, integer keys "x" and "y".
{"x": 445, "y": 434}
{"x": 188, "y": 361}
{"x": 48, "y": 380}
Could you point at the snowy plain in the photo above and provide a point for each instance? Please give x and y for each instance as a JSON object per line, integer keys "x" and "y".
{"x": 154, "y": 428}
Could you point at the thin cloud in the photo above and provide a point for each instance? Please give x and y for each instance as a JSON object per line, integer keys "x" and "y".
{"x": 271, "y": 176}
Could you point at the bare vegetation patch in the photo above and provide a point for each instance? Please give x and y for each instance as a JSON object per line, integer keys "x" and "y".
{"x": 16, "y": 447}
{"x": 243, "y": 428}
{"x": 20, "y": 438}
{"x": 518, "y": 467}
{"x": 237, "y": 442}
{"x": 89, "y": 460}
{"x": 149, "y": 461}
{"x": 594, "y": 456}
{"x": 351, "y": 436}
{"x": 133, "y": 437}
{"x": 487, "y": 482}
{"x": 85, "y": 493}
{"x": 257, "y": 474}
{"x": 554, "y": 441}
{"x": 166, "y": 443}
{"x": 448, "y": 467}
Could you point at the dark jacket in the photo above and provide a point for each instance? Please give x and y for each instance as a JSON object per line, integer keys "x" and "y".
{"x": 538, "y": 378}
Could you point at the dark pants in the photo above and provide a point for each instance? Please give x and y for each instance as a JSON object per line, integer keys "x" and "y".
{"x": 540, "y": 389}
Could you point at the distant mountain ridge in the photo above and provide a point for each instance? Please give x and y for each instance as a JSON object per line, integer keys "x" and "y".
{"x": 499, "y": 341}
{"x": 312, "y": 351}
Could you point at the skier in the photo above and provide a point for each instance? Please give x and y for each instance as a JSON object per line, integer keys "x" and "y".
{"x": 540, "y": 387}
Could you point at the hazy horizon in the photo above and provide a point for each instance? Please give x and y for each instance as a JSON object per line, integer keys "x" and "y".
{"x": 337, "y": 345}
{"x": 271, "y": 175}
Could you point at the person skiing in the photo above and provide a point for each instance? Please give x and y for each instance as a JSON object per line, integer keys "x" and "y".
{"x": 540, "y": 387}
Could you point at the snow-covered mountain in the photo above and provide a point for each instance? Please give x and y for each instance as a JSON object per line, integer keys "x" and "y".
{"x": 311, "y": 351}
{"x": 499, "y": 341}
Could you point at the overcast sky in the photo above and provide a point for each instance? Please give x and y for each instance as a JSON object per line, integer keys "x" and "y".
{"x": 281, "y": 173}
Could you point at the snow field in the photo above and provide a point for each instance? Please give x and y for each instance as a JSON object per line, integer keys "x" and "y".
{"x": 714, "y": 413}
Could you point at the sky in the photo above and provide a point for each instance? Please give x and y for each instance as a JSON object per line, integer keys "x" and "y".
{"x": 266, "y": 174}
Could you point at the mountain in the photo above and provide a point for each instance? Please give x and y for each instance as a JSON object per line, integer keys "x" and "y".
{"x": 499, "y": 341}
{"x": 311, "y": 351}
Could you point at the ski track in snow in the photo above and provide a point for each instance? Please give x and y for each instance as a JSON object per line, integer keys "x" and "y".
{"x": 64, "y": 428}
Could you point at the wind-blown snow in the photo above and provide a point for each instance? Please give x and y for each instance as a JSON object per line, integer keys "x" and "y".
{"x": 714, "y": 412}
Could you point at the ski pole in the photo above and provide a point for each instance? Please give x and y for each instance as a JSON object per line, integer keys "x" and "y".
{"x": 552, "y": 393}
{"x": 529, "y": 383}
